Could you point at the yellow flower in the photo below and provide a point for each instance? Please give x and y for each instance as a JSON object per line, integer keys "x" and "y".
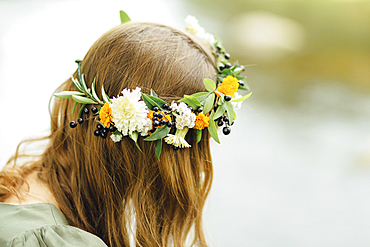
{"x": 201, "y": 122}
{"x": 229, "y": 86}
{"x": 105, "y": 115}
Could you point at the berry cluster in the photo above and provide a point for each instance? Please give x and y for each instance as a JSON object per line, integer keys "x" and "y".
{"x": 85, "y": 110}
{"x": 227, "y": 65}
{"x": 103, "y": 131}
{"x": 159, "y": 117}
{"x": 220, "y": 122}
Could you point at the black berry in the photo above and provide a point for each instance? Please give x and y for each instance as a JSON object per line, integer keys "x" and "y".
{"x": 221, "y": 68}
{"x": 200, "y": 109}
{"x": 191, "y": 108}
{"x": 219, "y": 47}
{"x": 169, "y": 124}
{"x": 220, "y": 123}
{"x": 226, "y": 119}
{"x": 241, "y": 83}
{"x": 94, "y": 109}
{"x": 80, "y": 120}
{"x": 86, "y": 110}
{"x": 165, "y": 106}
{"x": 96, "y": 133}
{"x": 155, "y": 119}
{"x": 169, "y": 108}
{"x": 227, "y": 65}
{"x": 155, "y": 108}
{"x": 227, "y": 97}
{"x": 160, "y": 115}
{"x": 105, "y": 131}
{"x": 227, "y": 55}
{"x": 175, "y": 148}
{"x": 226, "y": 130}
{"x": 103, "y": 135}
{"x": 155, "y": 114}
{"x": 163, "y": 122}
{"x": 112, "y": 128}
{"x": 156, "y": 123}
{"x": 99, "y": 127}
{"x": 73, "y": 124}
{"x": 152, "y": 130}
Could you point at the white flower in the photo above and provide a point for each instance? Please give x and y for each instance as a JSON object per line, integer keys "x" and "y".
{"x": 129, "y": 112}
{"x": 145, "y": 129}
{"x": 182, "y": 108}
{"x": 178, "y": 139}
{"x": 193, "y": 27}
{"x": 185, "y": 118}
{"x": 236, "y": 105}
{"x": 116, "y": 138}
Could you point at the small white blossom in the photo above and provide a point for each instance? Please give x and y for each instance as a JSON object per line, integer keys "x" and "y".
{"x": 177, "y": 141}
{"x": 192, "y": 26}
{"x": 129, "y": 112}
{"x": 116, "y": 138}
{"x": 237, "y": 105}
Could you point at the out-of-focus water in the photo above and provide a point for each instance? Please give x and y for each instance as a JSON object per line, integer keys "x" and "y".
{"x": 295, "y": 171}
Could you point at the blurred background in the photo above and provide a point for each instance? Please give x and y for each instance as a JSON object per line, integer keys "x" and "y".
{"x": 295, "y": 171}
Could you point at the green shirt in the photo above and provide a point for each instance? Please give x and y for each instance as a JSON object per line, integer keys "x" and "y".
{"x": 40, "y": 224}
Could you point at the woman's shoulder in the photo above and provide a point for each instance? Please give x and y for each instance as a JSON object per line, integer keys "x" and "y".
{"x": 40, "y": 224}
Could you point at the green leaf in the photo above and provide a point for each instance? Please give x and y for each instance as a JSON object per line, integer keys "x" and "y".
{"x": 148, "y": 101}
{"x": 199, "y": 134}
{"x": 191, "y": 101}
{"x": 209, "y": 84}
{"x": 245, "y": 87}
{"x": 124, "y": 17}
{"x": 81, "y": 109}
{"x": 83, "y": 100}
{"x": 209, "y": 103}
{"x": 242, "y": 99}
{"x": 158, "y": 148}
{"x": 212, "y": 127}
{"x": 220, "y": 111}
{"x": 74, "y": 108}
{"x": 227, "y": 72}
{"x": 105, "y": 96}
{"x": 134, "y": 137}
{"x": 77, "y": 84}
{"x": 153, "y": 93}
{"x": 94, "y": 95}
{"x": 84, "y": 86}
{"x": 157, "y": 100}
{"x": 201, "y": 96}
{"x": 230, "y": 111}
{"x": 67, "y": 94}
{"x": 160, "y": 133}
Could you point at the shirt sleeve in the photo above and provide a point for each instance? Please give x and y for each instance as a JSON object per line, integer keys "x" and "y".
{"x": 56, "y": 236}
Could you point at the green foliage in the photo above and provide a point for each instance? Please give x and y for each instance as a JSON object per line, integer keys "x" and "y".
{"x": 160, "y": 133}
{"x": 199, "y": 134}
{"x": 191, "y": 101}
{"x": 124, "y": 17}
{"x": 242, "y": 98}
{"x": 105, "y": 96}
{"x": 150, "y": 103}
{"x": 158, "y": 148}
{"x": 209, "y": 84}
{"x": 67, "y": 94}
{"x": 83, "y": 100}
{"x": 212, "y": 129}
{"x": 209, "y": 103}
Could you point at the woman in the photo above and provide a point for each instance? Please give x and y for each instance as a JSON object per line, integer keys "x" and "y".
{"x": 85, "y": 190}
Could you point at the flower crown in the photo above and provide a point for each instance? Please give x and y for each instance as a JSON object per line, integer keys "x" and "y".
{"x": 135, "y": 113}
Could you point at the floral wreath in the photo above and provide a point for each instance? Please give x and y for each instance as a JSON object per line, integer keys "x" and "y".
{"x": 135, "y": 113}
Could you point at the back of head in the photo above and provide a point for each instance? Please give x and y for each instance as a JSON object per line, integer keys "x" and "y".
{"x": 113, "y": 189}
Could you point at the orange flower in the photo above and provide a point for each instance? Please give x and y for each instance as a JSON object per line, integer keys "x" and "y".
{"x": 229, "y": 86}
{"x": 105, "y": 115}
{"x": 150, "y": 114}
{"x": 201, "y": 122}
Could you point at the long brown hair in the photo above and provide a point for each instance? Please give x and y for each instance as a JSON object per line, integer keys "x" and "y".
{"x": 112, "y": 189}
